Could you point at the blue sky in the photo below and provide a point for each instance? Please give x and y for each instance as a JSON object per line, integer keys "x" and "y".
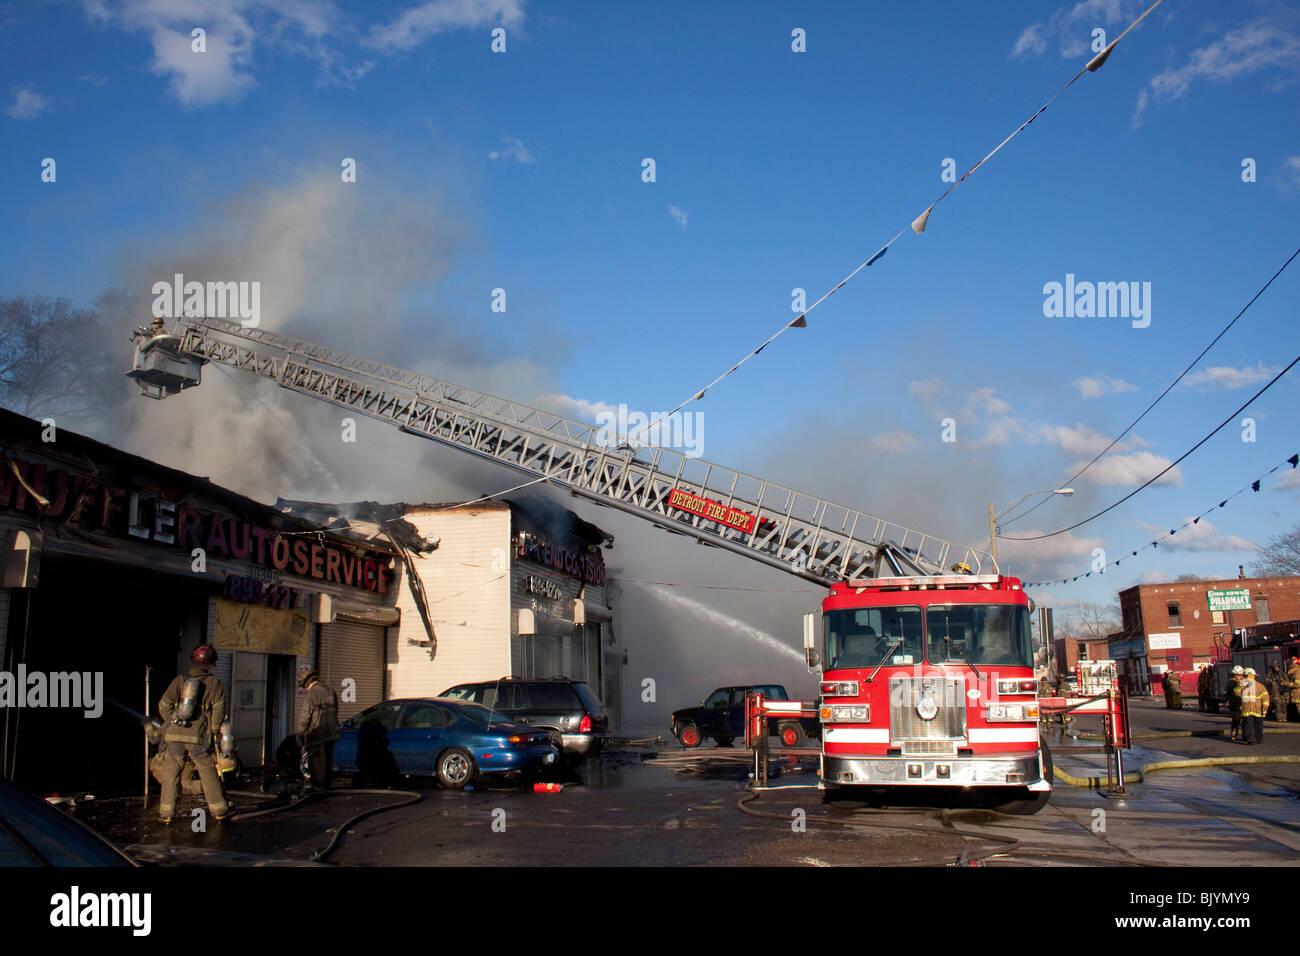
{"x": 775, "y": 170}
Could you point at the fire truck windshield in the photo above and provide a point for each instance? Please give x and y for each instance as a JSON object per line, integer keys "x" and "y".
{"x": 975, "y": 634}
{"x": 862, "y": 637}
{"x": 979, "y": 634}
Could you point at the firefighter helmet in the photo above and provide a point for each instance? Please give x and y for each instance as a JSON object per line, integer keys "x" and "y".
{"x": 205, "y": 655}
{"x": 307, "y": 678}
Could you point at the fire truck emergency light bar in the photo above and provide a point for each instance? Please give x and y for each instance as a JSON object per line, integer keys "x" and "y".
{"x": 938, "y": 582}
{"x": 795, "y": 532}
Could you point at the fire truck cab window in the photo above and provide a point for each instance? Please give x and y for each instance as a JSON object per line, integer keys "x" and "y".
{"x": 979, "y": 634}
{"x": 863, "y": 637}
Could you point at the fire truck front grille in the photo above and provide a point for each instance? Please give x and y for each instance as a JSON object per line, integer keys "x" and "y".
{"x": 931, "y": 748}
{"x": 910, "y": 696}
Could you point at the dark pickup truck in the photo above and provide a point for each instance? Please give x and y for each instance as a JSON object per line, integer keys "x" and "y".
{"x": 722, "y": 717}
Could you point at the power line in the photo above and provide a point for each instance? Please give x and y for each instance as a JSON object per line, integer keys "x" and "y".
{"x": 1164, "y": 471}
{"x": 1254, "y": 486}
{"x": 1169, "y": 388}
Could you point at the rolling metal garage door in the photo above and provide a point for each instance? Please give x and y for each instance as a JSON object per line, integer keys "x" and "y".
{"x": 356, "y": 651}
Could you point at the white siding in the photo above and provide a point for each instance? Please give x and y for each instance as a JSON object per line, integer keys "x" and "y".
{"x": 468, "y": 599}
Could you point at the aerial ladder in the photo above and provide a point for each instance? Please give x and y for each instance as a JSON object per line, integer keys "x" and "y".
{"x": 799, "y": 533}
{"x": 875, "y": 568}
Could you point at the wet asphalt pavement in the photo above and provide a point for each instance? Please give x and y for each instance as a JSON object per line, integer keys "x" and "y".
{"x": 656, "y": 806}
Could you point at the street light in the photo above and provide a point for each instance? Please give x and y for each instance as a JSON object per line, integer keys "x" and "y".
{"x": 993, "y": 520}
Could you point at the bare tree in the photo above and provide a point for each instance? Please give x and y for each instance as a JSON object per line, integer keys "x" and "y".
{"x": 65, "y": 363}
{"x": 1279, "y": 556}
{"x": 1090, "y": 622}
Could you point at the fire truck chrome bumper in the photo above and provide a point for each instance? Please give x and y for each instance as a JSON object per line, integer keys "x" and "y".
{"x": 1021, "y": 770}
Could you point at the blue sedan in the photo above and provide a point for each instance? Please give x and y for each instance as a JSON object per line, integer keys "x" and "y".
{"x": 453, "y": 740}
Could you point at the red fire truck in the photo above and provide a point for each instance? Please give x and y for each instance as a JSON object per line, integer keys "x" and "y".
{"x": 929, "y": 681}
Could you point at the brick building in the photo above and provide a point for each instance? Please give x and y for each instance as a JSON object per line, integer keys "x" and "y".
{"x": 1171, "y": 627}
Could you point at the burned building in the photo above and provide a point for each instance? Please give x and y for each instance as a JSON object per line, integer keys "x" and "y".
{"x": 491, "y": 589}
{"x": 116, "y": 567}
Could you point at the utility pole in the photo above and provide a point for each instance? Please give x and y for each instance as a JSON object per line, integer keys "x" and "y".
{"x": 993, "y": 534}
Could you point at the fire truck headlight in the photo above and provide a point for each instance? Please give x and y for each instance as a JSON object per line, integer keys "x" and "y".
{"x": 999, "y": 712}
{"x": 926, "y": 708}
{"x": 839, "y": 688}
{"x": 860, "y": 713}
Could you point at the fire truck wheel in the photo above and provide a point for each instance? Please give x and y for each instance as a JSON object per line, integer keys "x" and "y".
{"x": 792, "y": 735}
{"x": 1036, "y": 801}
{"x": 688, "y": 734}
{"x": 724, "y": 741}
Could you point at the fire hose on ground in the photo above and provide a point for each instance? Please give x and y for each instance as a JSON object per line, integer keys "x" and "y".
{"x": 1136, "y": 776}
{"x": 320, "y": 855}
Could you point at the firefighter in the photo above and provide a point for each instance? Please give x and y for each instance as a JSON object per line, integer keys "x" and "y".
{"x": 319, "y": 728}
{"x": 192, "y": 708}
{"x": 1173, "y": 690}
{"x": 1254, "y": 705}
{"x": 1202, "y": 689}
{"x": 1294, "y": 680}
{"x": 1212, "y": 688}
{"x": 1279, "y": 692}
{"x": 1234, "y": 700}
{"x": 190, "y": 782}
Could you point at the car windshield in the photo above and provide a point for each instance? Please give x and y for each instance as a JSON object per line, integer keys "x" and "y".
{"x": 979, "y": 634}
{"x": 865, "y": 636}
{"x": 482, "y": 715}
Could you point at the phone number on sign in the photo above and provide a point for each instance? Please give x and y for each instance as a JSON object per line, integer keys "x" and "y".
{"x": 253, "y": 591}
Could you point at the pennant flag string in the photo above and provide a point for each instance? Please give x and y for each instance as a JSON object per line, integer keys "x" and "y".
{"x": 1168, "y": 389}
{"x": 1160, "y": 474}
{"x": 918, "y": 226}
{"x": 1254, "y": 486}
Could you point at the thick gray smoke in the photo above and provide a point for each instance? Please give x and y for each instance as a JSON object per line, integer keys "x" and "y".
{"x": 339, "y": 266}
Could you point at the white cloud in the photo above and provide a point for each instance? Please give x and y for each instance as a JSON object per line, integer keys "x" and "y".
{"x": 1056, "y": 556}
{"x": 440, "y": 16}
{"x": 1292, "y": 167}
{"x": 1290, "y": 481}
{"x": 933, "y": 395}
{"x": 1202, "y": 536}
{"x": 1224, "y": 376}
{"x": 222, "y": 72}
{"x": 1031, "y": 42}
{"x": 1079, "y": 439}
{"x": 892, "y": 442}
{"x": 678, "y": 214}
{"x": 1072, "y": 27}
{"x": 1129, "y": 470}
{"x": 1268, "y": 43}
{"x": 28, "y": 103}
{"x": 1095, "y": 386}
{"x": 513, "y": 149}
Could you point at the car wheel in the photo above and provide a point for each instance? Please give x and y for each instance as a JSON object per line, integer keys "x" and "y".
{"x": 455, "y": 768}
{"x": 792, "y": 735}
{"x": 724, "y": 741}
{"x": 688, "y": 734}
{"x": 1035, "y": 801}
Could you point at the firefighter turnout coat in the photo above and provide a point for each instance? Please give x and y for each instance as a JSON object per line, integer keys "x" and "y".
{"x": 210, "y": 713}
